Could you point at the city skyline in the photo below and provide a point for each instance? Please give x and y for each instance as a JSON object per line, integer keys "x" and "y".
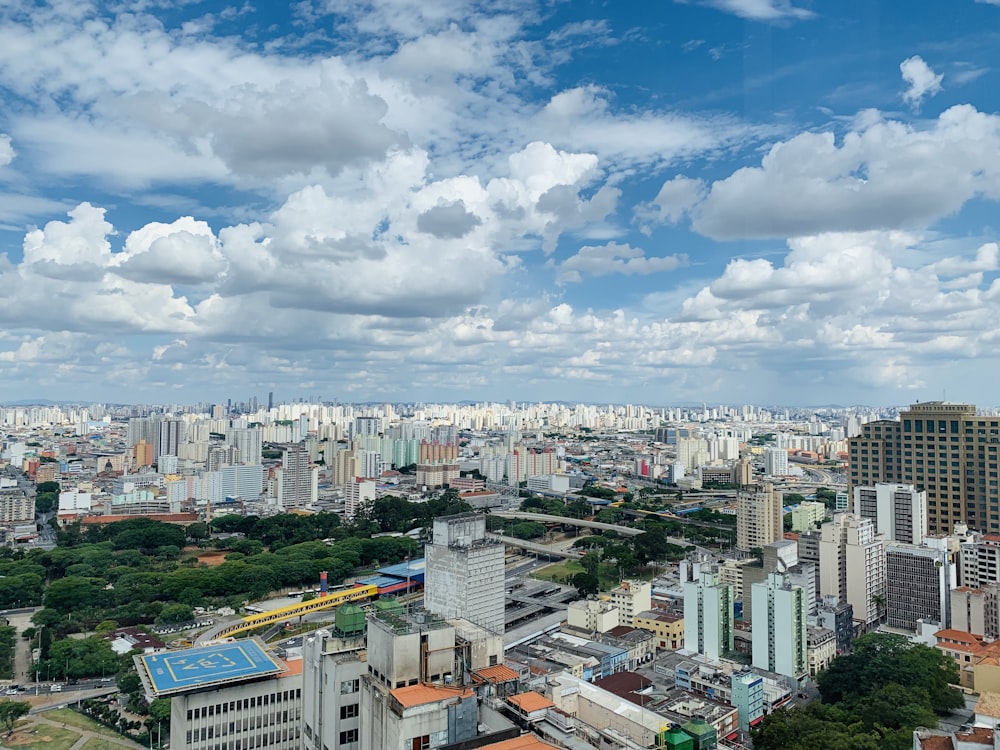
{"x": 724, "y": 201}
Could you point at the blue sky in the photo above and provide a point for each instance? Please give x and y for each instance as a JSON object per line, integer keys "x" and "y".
{"x": 712, "y": 200}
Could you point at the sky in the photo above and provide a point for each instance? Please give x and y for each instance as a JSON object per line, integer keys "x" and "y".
{"x": 734, "y": 201}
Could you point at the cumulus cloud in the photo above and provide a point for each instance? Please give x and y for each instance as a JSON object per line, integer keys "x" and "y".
{"x": 615, "y": 258}
{"x": 447, "y": 220}
{"x": 882, "y": 174}
{"x": 921, "y": 81}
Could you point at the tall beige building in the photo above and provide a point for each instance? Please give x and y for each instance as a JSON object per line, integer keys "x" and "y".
{"x": 943, "y": 449}
{"x": 852, "y": 566}
{"x": 758, "y": 517}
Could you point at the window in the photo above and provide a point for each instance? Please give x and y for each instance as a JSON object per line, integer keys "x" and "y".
{"x": 349, "y": 712}
{"x": 350, "y": 686}
{"x": 351, "y": 735}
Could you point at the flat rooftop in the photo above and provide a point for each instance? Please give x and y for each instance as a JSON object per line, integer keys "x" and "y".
{"x": 210, "y": 666}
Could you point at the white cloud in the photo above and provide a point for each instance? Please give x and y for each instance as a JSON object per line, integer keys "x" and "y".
{"x": 6, "y": 150}
{"x": 920, "y": 79}
{"x": 677, "y": 197}
{"x": 759, "y": 10}
{"x": 882, "y": 174}
{"x": 615, "y": 258}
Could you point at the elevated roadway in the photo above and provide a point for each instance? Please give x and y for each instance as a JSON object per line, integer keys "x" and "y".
{"x": 545, "y": 518}
{"x": 283, "y": 614}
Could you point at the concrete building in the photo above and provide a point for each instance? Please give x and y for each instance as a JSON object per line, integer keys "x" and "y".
{"x": 821, "y": 649}
{"x": 980, "y": 561}
{"x": 708, "y": 616}
{"x": 852, "y": 566}
{"x": 227, "y": 694}
{"x": 748, "y": 698}
{"x": 592, "y": 615}
{"x": 807, "y": 516}
{"x": 919, "y": 580}
{"x": 465, "y": 572}
{"x": 630, "y": 598}
{"x": 779, "y": 627}
{"x": 775, "y": 462}
{"x": 357, "y": 493}
{"x": 248, "y": 441}
{"x": 333, "y": 667}
{"x": 899, "y": 511}
{"x": 297, "y": 481}
{"x": 759, "y": 517}
{"x": 668, "y": 629}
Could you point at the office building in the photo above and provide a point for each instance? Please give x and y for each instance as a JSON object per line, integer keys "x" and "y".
{"x": 980, "y": 561}
{"x": 899, "y": 511}
{"x": 227, "y": 695}
{"x": 779, "y": 627}
{"x": 465, "y": 572}
{"x": 708, "y": 616}
{"x": 919, "y": 580}
{"x": 759, "y": 517}
{"x": 943, "y": 449}
{"x": 852, "y": 566}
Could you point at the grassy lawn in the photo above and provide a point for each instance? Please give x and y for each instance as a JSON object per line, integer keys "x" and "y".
{"x": 563, "y": 572}
{"x": 71, "y": 718}
{"x": 28, "y": 735}
{"x": 99, "y": 744}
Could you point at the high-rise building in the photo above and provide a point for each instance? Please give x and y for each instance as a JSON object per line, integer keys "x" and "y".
{"x": 899, "y": 511}
{"x": 708, "y": 616}
{"x": 169, "y": 436}
{"x": 775, "y": 462}
{"x": 943, "y": 449}
{"x": 748, "y": 697}
{"x": 852, "y": 566}
{"x": 249, "y": 442}
{"x": 779, "y": 640}
{"x": 297, "y": 479}
{"x": 758, "y": 517}
{"x": 919, "y": 580}
{"x": 464, "y": 575}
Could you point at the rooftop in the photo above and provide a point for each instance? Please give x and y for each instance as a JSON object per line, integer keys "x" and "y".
{"x": 206, "y": 667}
{"x": 530, "y": 701}
{"x": 419, "y": 695}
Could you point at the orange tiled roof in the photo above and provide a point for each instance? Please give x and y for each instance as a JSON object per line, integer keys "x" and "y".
{"x": 524, "y": 742}
{"x": 498, "y": 673}
{"x": 418, "y": 695}
{"x": 531, "y": 701}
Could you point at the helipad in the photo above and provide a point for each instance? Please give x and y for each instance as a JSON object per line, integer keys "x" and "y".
{"x": 208, "y": 666}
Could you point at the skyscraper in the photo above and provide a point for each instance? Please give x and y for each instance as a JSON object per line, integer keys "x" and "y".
{"x": 464, "y": 575}
{"x": 943, "y": 449}
{"x": 169, "y": 436}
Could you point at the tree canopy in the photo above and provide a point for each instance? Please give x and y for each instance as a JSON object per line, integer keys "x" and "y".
{"x": 872, "y": 698}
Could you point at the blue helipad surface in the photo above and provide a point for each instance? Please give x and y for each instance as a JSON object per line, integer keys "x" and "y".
{"x": 204, "y": 666}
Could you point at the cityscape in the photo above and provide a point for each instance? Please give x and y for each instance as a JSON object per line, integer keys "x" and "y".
{"x": 512, "y": 375}
{"x": 261, "y": 573}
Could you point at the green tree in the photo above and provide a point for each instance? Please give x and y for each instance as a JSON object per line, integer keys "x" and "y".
{"x": 198, "y": 531}
{"x": 11, "y": 711}
{"x": 174, "y": 613}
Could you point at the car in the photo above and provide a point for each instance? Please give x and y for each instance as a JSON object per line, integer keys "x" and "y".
{"x": 55, "y": 689}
